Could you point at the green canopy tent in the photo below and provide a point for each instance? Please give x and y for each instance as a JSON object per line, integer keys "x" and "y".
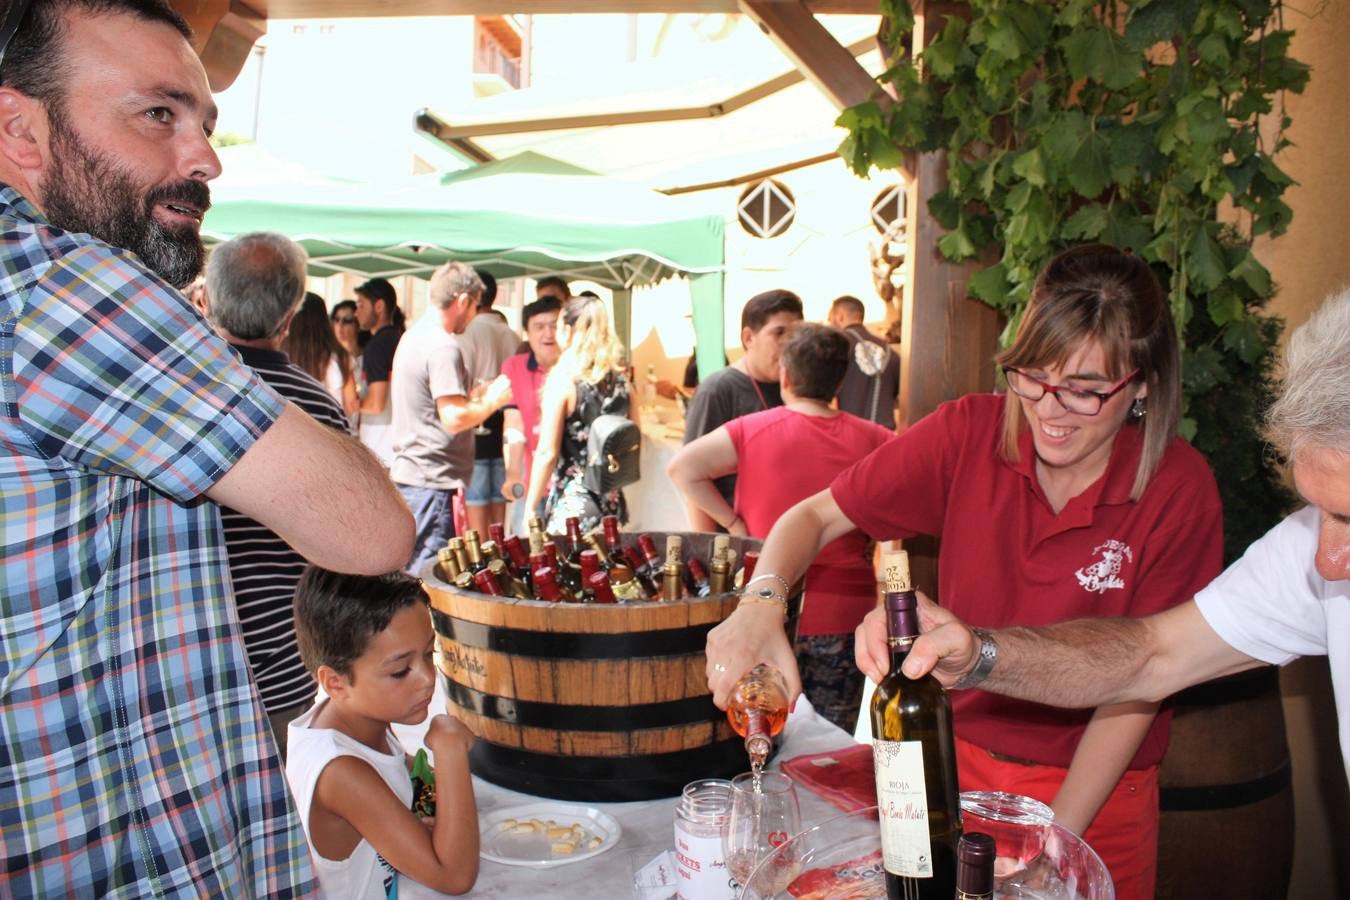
{"x": 526, "y": 215}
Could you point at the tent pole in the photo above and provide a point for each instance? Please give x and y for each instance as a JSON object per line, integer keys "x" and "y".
{"x": 706, "y": 297}
{"x": 623, "y": 319}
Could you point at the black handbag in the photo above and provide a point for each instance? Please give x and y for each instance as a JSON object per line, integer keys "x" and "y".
{"x": 613, "y": 454}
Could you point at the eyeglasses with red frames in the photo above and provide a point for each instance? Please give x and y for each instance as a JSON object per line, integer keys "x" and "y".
{"x": 1075, "y": 400}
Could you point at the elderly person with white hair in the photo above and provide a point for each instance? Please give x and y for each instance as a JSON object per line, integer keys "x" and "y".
{"x": 1288, "y": 596}
{"x": 256, "y": 282}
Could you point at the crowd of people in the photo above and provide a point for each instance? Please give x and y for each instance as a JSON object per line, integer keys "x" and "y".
{"x": 179, "y": 574}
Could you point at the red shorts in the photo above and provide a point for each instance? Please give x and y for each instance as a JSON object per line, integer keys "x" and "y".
{"x": 1124, "y": 833}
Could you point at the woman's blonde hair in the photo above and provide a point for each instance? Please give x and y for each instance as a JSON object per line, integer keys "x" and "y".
{"x": 593, "y": 351}
{"x": 1099, "y": 293}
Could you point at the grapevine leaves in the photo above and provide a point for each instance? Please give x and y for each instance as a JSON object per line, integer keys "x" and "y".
{"x": 1127, "y": 123}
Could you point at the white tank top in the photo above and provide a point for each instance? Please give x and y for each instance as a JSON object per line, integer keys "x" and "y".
{"x": 364, "y": 875}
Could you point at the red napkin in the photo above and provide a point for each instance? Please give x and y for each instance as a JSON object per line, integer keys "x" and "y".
{"x": 844, "y": 776}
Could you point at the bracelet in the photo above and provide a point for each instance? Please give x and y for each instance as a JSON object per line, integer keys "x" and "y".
{"x": 765, "y": 595}
{"x": 984, "y": 663}
{"x": 778, "y": 578}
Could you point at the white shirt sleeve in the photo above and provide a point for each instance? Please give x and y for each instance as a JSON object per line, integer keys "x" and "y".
{"x": 1271, "y": 604}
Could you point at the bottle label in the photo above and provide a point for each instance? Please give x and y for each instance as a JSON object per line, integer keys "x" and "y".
{"x": 902, "y": 808}
{"x": 700, "y": 867}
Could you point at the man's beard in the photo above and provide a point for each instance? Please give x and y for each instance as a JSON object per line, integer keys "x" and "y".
{"x": 87, "y": 191}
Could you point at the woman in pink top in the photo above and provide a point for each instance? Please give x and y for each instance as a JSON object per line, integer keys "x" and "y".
{"x": 784, "y": 455}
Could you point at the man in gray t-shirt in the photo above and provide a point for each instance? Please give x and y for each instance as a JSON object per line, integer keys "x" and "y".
{"x": 747, "y": 386}
{"x": 436, "y": 409}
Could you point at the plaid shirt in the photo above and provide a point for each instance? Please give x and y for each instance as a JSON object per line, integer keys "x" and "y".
{"x": 134, "y": 756}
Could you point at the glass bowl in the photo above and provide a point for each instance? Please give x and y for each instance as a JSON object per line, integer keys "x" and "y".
{"x": 840, "y": 858}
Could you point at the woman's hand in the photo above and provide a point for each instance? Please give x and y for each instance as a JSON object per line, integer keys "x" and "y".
{"x": 751, "y": 635}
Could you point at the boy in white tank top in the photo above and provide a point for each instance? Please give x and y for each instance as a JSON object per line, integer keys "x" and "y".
{"x": 368, "y": 642}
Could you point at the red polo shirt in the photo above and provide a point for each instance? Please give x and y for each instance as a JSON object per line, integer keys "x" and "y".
{"x": 783, "y": 457}
{"x": 527, "y": 384}
{"x": 1008, "y": 559}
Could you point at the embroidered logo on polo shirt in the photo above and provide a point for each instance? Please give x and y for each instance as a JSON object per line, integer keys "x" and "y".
{"x": 1105, "y": 572}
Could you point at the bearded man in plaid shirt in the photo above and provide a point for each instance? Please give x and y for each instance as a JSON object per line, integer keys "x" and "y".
{"x": 135, "y": 759}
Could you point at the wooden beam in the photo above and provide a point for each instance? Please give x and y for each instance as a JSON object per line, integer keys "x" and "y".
{"x": 224, "y": 32}
{"x": 813, "y": 50}
{"x": 947, "y": 339}
{"x": 345, "y": 9}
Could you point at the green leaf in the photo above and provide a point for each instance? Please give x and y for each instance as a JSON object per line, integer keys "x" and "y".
{"x": 1213, "y": 50}
{"x": 1102, "y": 55}
{"x": 1152, "y": 24}
{"x": 1090, "y": 170}
{"x": 1003, "y": 37}
{"x": 1202, "y": 369}
{"x": 1251, "y": 273}
{"x": 956, "y": 246}
{"x": 1031, "y": 166}
{"x": 950, "y": 51}
{"x": 1244, "y": 338}
{"x": 1088, "y": 223}
{"x": 1031, "y": 225}
{"x": 1063, "y": 134}
{"x": 1128, "y": 231}
{"x": 945, "y": 208}
{"x": 1132, "y": 149}
{"x": 990, "y": 285}
{"x": 1186, "y": 428}
{"x": 1204, "y": 261}
{"x": 1224, "y": 307}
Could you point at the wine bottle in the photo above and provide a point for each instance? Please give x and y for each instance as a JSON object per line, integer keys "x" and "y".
{"x": 590, "y": 565}
{"x": 461, "y": 555}
{"x": 614, "y": 545}
{"x": 914, "y": 756}
{"x": 975, "y": 866}
{"x": 595, "y": 544}
{"x": 449, "y": 564}
{"x": 600, "y": 588}
{"x": 758, "y": 710}
{"x": 747, "y": 571}
{"x": 672, "y": 573}
{"x": 719, "y": 578}
{"x": 497, "y": 533}
{"x": 545, "y": 585}
{"x": 474, "y": 552}
{"x": 648, "y": 567}
{"x": 698, "y": 578}
{"x": 510, "y": 585}
{"x": 517, "y": 561}
{"x": 486, "y": 584}
{"x": 625, "y": 585}
{"x": 574, "y": 542}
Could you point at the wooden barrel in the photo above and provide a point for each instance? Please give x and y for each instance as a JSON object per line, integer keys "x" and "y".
{"x": 594, "y": 702}
{"x": 1227, "y": 826}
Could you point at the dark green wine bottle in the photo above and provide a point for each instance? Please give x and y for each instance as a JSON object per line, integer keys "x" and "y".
{"x": 914, "y": 755}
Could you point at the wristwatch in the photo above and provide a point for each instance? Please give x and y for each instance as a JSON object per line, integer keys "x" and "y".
{"x": 983, "y": 665}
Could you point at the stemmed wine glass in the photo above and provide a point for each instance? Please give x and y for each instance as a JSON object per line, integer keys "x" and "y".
{"x": 764, "y": 815}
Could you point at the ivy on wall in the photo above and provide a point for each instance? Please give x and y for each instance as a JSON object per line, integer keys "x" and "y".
{"x": 1135, "y": 123}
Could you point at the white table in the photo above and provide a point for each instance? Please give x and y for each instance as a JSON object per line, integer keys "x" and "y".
{"x": 648, "y": 826}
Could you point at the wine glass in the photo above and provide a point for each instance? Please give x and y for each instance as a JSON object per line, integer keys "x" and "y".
{"x": 479, "y": 386}
{"x": 764, "y": 816}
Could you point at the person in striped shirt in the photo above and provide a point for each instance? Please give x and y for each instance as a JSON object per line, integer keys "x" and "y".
{"x": 256, "y": 282}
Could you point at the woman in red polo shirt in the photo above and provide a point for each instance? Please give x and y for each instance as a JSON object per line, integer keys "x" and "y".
{"x": 1069, "y": 496}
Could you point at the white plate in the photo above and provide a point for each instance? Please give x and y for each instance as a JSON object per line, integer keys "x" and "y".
{"x": 500, "y": 843}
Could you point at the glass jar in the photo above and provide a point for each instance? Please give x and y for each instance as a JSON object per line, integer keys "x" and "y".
{"x": 700, "y": 825}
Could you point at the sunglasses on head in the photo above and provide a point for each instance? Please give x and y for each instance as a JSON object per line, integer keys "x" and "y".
{"x": 13, "y": 19}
